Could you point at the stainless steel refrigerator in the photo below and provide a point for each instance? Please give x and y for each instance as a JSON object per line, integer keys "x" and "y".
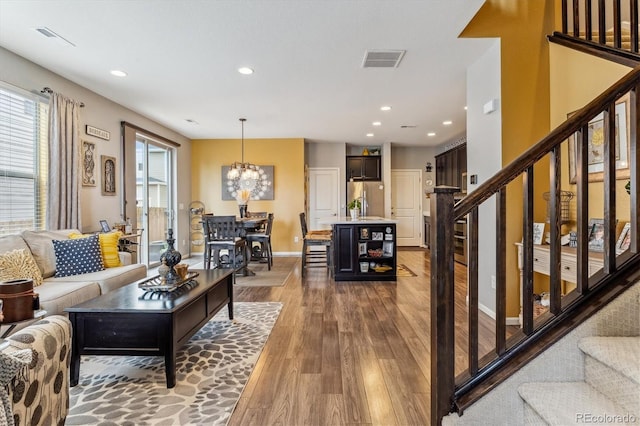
{"x": 371, "y": 195}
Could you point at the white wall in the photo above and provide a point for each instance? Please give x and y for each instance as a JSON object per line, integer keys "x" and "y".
{"x": 107, "y": 115}
{"x": 484, "y": 147}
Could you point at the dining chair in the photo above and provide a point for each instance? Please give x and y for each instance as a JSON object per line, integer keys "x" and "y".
{"x": 315, "y": 258}
{"x": 221, "y": 233}
{"x": 264, "y": 239}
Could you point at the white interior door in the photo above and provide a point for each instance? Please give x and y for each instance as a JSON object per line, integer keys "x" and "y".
{"x": 324, "y": 195}
{"x": 406, "y": 206}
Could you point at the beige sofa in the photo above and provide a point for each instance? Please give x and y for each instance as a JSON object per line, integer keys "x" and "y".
{"x": 58, "y": 293}
{"x": 37, "y": 387}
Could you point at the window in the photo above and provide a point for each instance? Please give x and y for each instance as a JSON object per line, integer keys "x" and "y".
{"x": 23, "y": 160}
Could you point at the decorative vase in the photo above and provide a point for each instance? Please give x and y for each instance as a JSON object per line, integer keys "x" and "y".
{"x": 354, "y": 214}
{"x": 171, "y": 257}
{"x": 243, "y": 210}
{"x": 163, "y": 270}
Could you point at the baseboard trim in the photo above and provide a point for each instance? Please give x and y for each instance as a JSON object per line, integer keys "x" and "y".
{"x": 508, "y": 320}
{"x": 486, "y": 310}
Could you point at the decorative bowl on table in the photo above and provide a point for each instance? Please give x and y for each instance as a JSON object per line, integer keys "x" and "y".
{"x": 375, "y": 252}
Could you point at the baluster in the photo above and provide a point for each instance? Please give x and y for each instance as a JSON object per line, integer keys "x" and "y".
{"x": 602, "y": 24}
{"x": 565, "y": 17}
{"x": 634, "y": 177}
{"x": 501, "y": 270}
{"x": 633, "y": 11}
{"x": 588, "y": 30}
{"x": 527, "y": 254}
{"x": 576, "y": 18}
{"x": 610, "y": 189}
{"x": 472, "y": 274}
{"x": 582, "y": 206}
{"x": 554, "y": 223}
{"x": 617, "y": 25}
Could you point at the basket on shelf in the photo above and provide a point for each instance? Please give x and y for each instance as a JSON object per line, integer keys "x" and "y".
{"x": 565, "y": 198}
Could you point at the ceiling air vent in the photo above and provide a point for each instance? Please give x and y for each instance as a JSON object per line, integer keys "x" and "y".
{"x": 382, "y": 58}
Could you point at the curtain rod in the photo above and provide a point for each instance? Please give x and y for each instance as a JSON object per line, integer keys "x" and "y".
{"x": 49, "y": 91}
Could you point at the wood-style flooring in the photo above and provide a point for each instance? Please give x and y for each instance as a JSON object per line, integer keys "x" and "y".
{"x": 350, "y": 353}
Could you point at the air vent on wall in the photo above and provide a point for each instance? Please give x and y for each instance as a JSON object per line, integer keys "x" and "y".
{"x": 382, "y": 58}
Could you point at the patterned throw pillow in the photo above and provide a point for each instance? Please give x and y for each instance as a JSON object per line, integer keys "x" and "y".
{"x": 108, "y": 247}
{"x": 75, "y": 257}
{"x": 18, "y": 264}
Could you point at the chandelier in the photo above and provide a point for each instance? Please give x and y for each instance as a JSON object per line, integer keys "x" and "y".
{"x": 246, "y": 180}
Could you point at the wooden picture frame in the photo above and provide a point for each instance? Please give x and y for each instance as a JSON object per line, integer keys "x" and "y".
{"x": 596, "y": 234}
{"x": 624, "y": 239}
{"x": 595, "y": 144}
{"x": 109, "y": 174}
{"x": 538, "y": 233}
{"x": 362, "y": 249}
{"x": 88, "y": 163}
{"x": 364, "y": 233}
{"x": 387, "y": 248}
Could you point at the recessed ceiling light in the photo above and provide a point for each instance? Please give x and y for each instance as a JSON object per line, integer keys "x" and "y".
{"x": 447, "y": 123}
{"x": 245, "y": 70}
{"x": 465, "y": 107}
{"x": 118, "y": 73}
{"x": 431, "y": 134}
{"x": 377, "y": 123}
{"x": 369, "y": 135}
{"x": 385, "y": 108}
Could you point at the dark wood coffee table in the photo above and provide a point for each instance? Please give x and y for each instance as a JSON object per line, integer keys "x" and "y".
{"x": 128, "y": 321}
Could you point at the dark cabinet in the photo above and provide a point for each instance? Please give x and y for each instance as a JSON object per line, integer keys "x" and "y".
{"x": 364, "y": 167}
{"x": 364, "y": 252}
{"x": 451, "y": 167}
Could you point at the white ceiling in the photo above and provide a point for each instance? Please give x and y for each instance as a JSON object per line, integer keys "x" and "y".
{"x": 182, "y": 58}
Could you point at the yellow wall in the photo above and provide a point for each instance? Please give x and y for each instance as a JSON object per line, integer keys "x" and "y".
{"x": 287, "y": 157}
{"x": 576, "y": 79}
{"x": 522, "y": 27}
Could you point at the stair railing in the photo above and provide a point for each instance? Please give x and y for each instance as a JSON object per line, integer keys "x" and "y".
{"x": 480, "y": 374}
{"x": 606, "y": 28}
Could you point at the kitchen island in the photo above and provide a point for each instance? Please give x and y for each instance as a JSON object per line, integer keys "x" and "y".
{"x": 363, "y": 249}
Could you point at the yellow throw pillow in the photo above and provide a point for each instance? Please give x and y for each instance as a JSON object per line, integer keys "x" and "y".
{"x": 19, "y": 263}
{"x": 108, "y": 247}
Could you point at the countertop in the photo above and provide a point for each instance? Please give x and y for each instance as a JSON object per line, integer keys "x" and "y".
{"x": 347, "y": 220}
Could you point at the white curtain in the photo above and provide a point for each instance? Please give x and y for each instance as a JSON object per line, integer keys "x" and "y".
{"x": 63, "y": 201}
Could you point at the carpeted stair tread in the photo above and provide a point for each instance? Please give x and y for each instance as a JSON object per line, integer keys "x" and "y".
{"x": 621, "y": 354}
{"x": 562, "y": 403}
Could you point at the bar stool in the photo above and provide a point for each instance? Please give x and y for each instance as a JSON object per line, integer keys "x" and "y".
{"x": 315, "y": 258}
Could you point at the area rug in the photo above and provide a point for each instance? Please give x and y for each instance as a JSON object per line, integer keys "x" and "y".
{"x": 277, "y": 276}
{"x": 211, "y": 372}
{"x": 403, "y": 271}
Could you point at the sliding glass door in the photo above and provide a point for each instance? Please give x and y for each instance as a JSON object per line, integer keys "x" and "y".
{"x": 154, "y": 200}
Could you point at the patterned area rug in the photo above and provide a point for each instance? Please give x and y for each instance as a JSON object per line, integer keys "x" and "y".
{"x": 211, "y": 372}
{"x": 403, "y": 271}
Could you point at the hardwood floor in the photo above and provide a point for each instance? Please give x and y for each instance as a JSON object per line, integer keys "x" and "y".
{"x": 350, "y": 353}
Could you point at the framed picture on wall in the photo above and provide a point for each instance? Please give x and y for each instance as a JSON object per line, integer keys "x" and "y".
{"x": 109, "y": 173}
{"x": 88, "y": 163}
{"x": 538, "y": 233}
{"x": 596, "y": 146}
{"x": 624, "y": 240}
{"x": 596, "y": 234}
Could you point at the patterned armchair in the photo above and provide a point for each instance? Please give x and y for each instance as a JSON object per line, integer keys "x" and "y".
{"x": 39, "y": 393}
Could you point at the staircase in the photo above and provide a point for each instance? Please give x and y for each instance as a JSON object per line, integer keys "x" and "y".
{"x": 591, "y": 376}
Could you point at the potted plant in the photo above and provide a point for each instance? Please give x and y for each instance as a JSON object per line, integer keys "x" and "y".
{"x": 354, "y": 208}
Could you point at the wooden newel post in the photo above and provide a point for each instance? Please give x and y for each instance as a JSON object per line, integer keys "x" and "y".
{"x": 442, "y": 303}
